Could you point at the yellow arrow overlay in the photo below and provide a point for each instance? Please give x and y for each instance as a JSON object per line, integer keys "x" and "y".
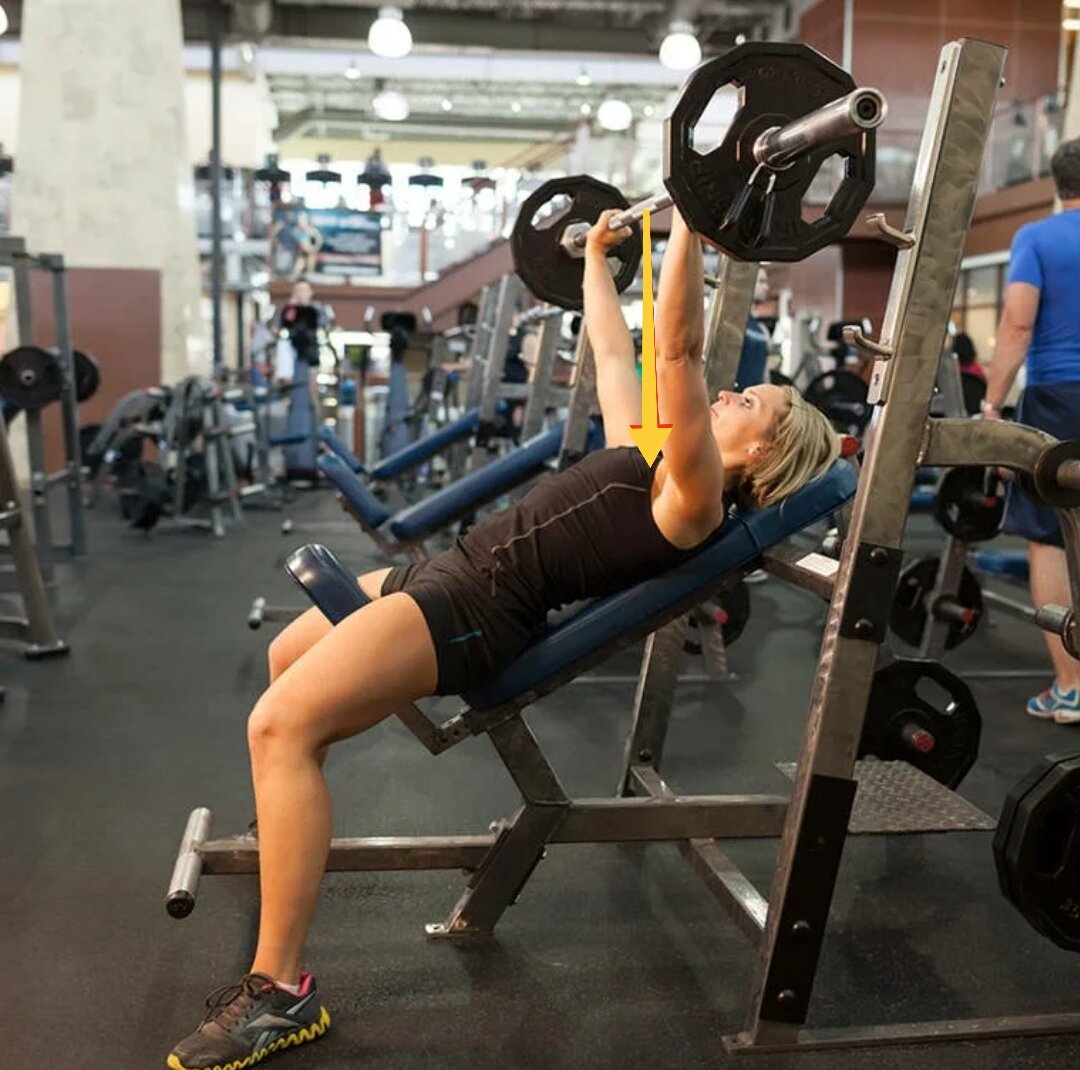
{"x": 650, "y": 435}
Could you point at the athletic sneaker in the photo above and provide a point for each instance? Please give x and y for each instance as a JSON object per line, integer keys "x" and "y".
{"x": 1056, "y": 705}
{"x": 247, "y": 1022}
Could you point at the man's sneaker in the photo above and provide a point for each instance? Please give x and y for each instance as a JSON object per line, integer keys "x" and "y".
{"x": 1056, "y": 705}
{"x": 247, "y": 1022}
{"x": 759, "y": 575}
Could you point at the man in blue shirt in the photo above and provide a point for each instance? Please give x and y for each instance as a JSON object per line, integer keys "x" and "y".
{"x": 1040, "y": 323}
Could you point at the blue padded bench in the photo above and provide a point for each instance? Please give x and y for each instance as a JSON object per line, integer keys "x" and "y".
{"x": 441, "y": 508}
{"x": 423, "y": 449}
{"x": 1012, "y": 563}
{"x": 742, "y": 539}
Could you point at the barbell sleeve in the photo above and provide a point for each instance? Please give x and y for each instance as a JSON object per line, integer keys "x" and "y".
{"x": 863, "y": 109}
{"x": 1068, "y": 475}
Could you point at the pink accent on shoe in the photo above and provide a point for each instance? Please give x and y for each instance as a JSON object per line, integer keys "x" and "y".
{"x": 306, "y": 981}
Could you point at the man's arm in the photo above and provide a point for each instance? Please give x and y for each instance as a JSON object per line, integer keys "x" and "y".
{"x": 1013, "y": 337}
{"x": 617, "y": 385}
{"x": 693, "y": 458}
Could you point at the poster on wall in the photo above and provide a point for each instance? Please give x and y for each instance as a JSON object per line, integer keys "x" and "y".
{"x": 326, "y": 241}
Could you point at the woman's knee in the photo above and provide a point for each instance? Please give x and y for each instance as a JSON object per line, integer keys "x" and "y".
{"x": 271, "y": 726}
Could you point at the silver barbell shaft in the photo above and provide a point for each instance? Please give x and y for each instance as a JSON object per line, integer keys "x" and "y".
{"x": 779, "y": 146}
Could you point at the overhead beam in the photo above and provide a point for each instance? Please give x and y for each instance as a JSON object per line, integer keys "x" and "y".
{"x": 331, "y": 26}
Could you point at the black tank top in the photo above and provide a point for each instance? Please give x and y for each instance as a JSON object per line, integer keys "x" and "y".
{"x": 584, "y": 533}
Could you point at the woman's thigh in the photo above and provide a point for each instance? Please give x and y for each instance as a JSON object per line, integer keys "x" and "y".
{"x": 366, "y": 668}
{"x": 304, "y": 632}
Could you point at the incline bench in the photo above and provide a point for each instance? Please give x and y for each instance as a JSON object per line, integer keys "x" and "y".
{"x": 501, "y": 862}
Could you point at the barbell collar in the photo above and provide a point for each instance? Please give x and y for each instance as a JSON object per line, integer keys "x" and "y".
{"x": 779, "y": 146}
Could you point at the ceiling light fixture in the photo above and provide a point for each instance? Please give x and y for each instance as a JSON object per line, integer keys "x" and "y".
{"x": 740, "y": 38}
{"x": 648, "y": 110}
{"x": 515, "y": 106}
{"x": 586, "y": 108}
{"x": 447, "y": 104}
{"x": 614, "y": 115}
{"x": 679, "y": 50}
{"x": 3, "y": 22}
{"x": 584, "y": 80}
{"x": 352, "y": 72}
{"x": 389, "y": 37}
{"x": 391, "y": 106}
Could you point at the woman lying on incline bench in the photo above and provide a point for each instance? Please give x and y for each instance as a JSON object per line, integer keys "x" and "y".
{"x": 443, "y": 626}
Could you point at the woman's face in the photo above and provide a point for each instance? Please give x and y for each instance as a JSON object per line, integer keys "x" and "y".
{"x": 743, "y": 423}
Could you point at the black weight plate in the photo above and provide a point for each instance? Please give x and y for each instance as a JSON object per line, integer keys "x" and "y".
{"x": 963, "y": 509}
{"x": 780, "y": 82}
{"x": 945, "y": 715}
{"x": 145, "y": 500}
{"x": 30, "y": 377}
{"x": 87, "y": 376}
{"x": 731, "y": 609}
{"x": 1042, "y": 854}
{"x": 910, "y": 606}
{"x": 842, "y": 396}
{"x": 1006, "y": 822}
{"x": 548, "y": 270}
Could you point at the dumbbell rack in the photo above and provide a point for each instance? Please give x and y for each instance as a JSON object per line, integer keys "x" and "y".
{"x": 13, "y": 255}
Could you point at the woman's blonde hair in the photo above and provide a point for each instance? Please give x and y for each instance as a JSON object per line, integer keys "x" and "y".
{"x": 804, "y": 445}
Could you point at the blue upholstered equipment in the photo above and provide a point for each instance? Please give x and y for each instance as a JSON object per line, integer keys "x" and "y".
{"x": 353, "y": 489}
{"x": 922, "y": 497}
{"x": 441, "y": 508}
{"x": 423, "y": 449}
{"x": 340, "y": 450}
{"x": 740, "y": 541}
{"x": 1012, "y": 563}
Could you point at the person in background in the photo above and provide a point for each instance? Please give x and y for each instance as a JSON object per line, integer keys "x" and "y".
{"x": 301, "y": 320}
{"x": 1040, "y": 325}
{"x": 967, "y": 356}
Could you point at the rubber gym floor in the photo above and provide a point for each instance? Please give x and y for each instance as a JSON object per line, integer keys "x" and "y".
{"x": 613, "y": 958}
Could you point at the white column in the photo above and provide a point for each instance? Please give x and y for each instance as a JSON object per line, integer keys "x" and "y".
{"x": 104, "y": 176}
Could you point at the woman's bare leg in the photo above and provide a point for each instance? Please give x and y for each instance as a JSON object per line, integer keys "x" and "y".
{"x": 303, "y": 633}
{"x": 363, "y": 670}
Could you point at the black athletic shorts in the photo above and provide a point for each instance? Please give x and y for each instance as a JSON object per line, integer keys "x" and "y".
{"x": 475, "y": 634}
{"x": 1054, "y": 408}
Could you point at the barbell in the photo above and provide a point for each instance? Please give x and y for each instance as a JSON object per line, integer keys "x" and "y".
{"x": 745, "y": 197}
